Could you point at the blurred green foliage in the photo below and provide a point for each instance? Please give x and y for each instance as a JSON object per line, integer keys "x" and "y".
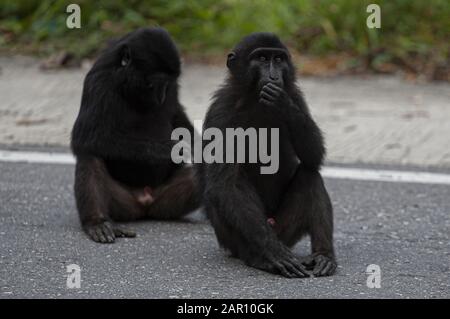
{"x": 201, "y": 27}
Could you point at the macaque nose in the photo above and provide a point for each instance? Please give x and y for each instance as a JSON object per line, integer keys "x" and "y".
{"x": 273, "y": 76}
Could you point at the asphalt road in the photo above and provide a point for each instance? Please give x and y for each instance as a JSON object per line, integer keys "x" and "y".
{"x": 403, "y": 228}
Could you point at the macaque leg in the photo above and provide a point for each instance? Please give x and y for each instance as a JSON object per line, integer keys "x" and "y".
{"x": 306, "y": 209}
{"x": 175, "y": 198}
{"x": 98, "y": 196}
{"x": 102, "y": 200}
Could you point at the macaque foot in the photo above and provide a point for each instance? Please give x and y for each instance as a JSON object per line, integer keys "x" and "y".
{"x": 283, "y": 262}
{"x": 320, "y": 265}
{"x": 106, "y": 232}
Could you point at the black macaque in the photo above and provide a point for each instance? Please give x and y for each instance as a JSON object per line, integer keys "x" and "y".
{"x": 122, "y": 137}
{"x": 257, "y": 217}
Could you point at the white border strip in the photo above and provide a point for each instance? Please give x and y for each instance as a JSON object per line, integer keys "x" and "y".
{"x": 386, "y": 175}
{"x": 330, "y": 172}
{"x": 36, "y": 157}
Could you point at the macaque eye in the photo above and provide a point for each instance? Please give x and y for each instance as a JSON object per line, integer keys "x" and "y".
{"x": 124, "y": 61}
{"x": 262, "y": 58}
{"x": 126, "y": 57}
{"x": 278, "y": 59}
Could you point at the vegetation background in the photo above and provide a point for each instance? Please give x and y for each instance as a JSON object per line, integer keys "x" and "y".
{"x": 327, "y": 37}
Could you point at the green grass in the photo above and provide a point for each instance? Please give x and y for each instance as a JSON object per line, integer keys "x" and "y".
{"x": 412, "y": 30}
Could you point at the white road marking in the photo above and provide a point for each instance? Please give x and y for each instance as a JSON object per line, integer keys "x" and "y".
{"x": 36, "y": 157}
{"x": 386, "y": 175}
{"x": 329, "y": 171}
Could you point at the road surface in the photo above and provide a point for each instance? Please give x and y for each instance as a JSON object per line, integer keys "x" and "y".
{"x": 402, "y": 227}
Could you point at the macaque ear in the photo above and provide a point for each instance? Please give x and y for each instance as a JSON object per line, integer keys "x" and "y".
{"x": 125, "y": 55}
{"x": 230, "y": 59}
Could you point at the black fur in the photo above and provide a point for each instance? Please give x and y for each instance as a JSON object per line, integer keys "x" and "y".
{"x": 238, "y": 199}
{"x": 121, "y": 138}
